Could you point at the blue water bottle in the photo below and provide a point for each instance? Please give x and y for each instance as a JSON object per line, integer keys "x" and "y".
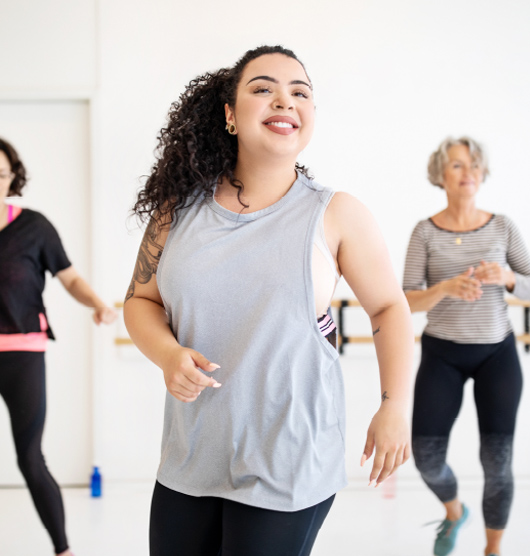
{"x": 95, "y": 483}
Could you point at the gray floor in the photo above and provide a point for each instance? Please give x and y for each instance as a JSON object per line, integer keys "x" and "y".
{"x": 362, "y": 522}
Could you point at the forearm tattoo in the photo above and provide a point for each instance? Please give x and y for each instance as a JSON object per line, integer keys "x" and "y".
{"x": 384, "y": 397}
{"x": 148, "y": 258}
{"x": 376, "y": 331}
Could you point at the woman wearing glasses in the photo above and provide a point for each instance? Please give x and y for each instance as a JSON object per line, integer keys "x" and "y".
{"x": 30, "y": 246}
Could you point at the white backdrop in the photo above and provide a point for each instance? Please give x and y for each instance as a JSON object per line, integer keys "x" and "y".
{"x": 392, "y": 79}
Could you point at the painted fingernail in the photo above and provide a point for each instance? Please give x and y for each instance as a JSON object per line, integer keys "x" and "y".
{"x": 215, "y": 366}
{"x": 216, "y": 385}
{"x": 371, "y": 483}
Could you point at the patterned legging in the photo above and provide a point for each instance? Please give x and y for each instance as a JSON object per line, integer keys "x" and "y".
{"x": 445, "y": 366}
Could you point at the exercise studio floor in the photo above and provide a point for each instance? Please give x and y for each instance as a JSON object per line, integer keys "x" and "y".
{"x": 362, "y": 522}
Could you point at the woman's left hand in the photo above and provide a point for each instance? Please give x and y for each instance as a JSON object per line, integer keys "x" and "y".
{"x": 389, "y": 435}
{"x": 494, "y": 273}
{"x": 104, "y": 315}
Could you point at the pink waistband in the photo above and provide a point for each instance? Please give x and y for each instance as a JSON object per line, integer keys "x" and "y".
{"x": 33, "y": 341}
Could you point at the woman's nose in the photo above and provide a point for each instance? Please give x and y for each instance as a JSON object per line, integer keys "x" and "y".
{"x": 283, "y": 102}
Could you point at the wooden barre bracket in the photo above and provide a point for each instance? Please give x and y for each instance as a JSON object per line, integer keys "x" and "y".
{"x": 342, "y": 339}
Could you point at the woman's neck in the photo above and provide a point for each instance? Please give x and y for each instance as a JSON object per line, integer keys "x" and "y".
{"x": 461, "y": 215}
{"x": 263, "y": 184}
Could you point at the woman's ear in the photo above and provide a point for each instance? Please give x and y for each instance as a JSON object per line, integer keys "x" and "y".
{"x": 229, "y": 115}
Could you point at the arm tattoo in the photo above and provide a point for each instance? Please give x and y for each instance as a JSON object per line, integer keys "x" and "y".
{"x": 148, "y": 258}
{"x": 376, "y": 331}
{"x": 384, "y": 397}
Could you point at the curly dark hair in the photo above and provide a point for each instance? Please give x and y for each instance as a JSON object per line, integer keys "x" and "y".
{"x": 194, "y": 150}
{"x": 20, "y": 179}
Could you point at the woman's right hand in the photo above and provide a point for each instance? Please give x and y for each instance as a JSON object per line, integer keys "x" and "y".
{"x": 182, "y": 376}
{"x": 464, "y": 286}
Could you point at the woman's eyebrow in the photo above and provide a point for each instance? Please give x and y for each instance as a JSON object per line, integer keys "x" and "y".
{"x": 268, "y": 78}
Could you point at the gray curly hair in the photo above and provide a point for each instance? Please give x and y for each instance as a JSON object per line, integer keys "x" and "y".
{"x": 439, "y": 158}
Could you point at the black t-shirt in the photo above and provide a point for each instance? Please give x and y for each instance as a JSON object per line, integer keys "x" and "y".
{"x": 29, "y": 246}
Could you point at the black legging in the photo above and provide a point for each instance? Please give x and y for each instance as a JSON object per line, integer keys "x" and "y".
{"x": 445, "y": 366}
{"x": 22, "y": 385}
{"x": 183, "y": 525}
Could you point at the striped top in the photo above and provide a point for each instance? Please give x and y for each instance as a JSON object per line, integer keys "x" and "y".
{"x": 435, "y": 254}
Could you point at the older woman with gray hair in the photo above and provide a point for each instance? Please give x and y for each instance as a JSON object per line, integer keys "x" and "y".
{"x": 460, "y": 262}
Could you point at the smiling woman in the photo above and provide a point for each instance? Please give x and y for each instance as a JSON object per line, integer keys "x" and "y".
{"x": 459, "y": 264}
{"x": 280, "y": 104}
{"x": 238, "y": 265}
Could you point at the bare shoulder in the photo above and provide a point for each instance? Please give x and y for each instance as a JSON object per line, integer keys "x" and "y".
{"x": 362, "y": 255}
{"x": 342, "y": 201}
{"x": 345, "y": 206}
{"x": 346, "y": 214}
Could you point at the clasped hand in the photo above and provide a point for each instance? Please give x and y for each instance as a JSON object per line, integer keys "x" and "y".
{"x": 468, "y": 285}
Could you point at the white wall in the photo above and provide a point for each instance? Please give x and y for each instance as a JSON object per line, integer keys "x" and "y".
{"x": 48, "y": 48}
{"x": 392, "y": 79}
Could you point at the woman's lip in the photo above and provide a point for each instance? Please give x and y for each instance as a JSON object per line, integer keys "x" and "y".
{"x": 269, "y": 122}
{"x": 281, "y": 130}
{"x": 286, "y": 119}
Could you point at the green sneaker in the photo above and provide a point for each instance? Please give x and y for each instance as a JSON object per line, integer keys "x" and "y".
{"x": 447, "y": 533}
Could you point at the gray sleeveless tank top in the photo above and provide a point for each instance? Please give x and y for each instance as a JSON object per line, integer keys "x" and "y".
{"x": 238, "y": 288}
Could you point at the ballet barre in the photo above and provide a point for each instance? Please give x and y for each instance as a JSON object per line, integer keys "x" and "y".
{"x": 342, "y": 339}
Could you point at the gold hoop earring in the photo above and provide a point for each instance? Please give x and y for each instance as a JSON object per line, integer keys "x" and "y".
{"x": 231, "y": 129}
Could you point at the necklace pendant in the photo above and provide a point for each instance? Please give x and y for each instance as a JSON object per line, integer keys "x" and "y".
{"x": 458, "y": 240}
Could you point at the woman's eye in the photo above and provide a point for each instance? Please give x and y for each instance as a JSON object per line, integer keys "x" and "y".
{"x": 262, "y": 90}
{"x": 301, "y": 94}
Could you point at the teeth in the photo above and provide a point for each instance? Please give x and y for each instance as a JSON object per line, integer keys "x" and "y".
{"x": 281, "y": 124}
